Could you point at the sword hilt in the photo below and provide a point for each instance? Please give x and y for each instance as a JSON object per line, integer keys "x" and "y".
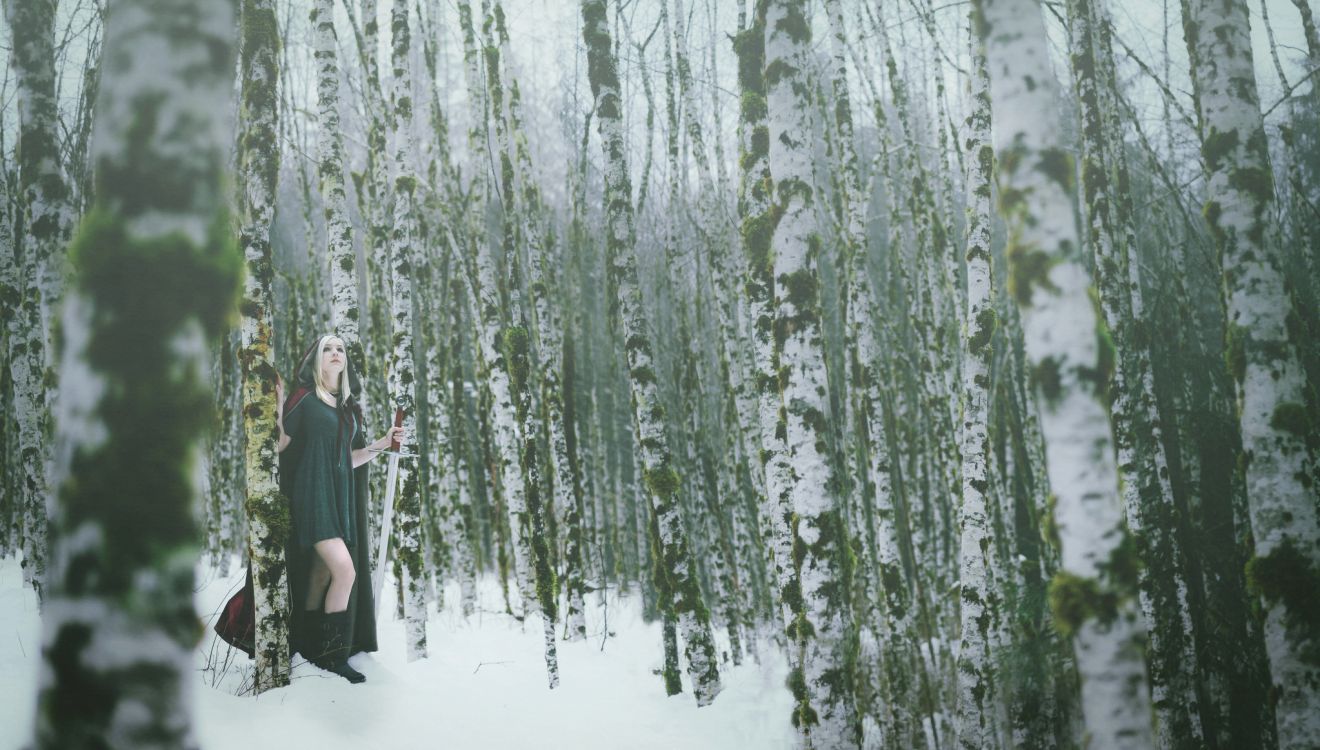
{"x": 395, "y": 445}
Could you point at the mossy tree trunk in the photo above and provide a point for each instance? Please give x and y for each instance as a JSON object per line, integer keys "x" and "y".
{"x": 157, "y": 282}
{"x": 44, "y": 218}
{"x": 980, "y": 714}
{"x": 521, "y": 225}
{"x": 881, "y": 694}
{"x": 373, "y": 187}
{"x": 1262, "y": 355}
{"x": 759, "y": 215}
{"x": 934, "y": 475}
{"x": 524, "y": 194}
{"x": 345, "y": 308}
{"x": 494, "y": 309}
{"x": 1146, "y": 493}
{"x": 740, "y": 448}
{"x": 658, "y": 462}
{"x": 464, "y": 537}
{"x": 403, "y": 381}
{"x": 819, "y": 596}
{"x": 266, "y": 509}
{"x": 11, "y": 483}
{"x": 1070, "y": 355}
{"x": 224, "y": 469}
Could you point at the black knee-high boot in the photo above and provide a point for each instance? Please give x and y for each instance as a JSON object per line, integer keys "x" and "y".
{"x": 334, "y": 656}
{"x": 309, "y": 642}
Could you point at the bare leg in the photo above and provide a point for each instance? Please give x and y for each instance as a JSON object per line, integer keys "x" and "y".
{"x": 334, "y": 555}
{"x": 318, "y": 580}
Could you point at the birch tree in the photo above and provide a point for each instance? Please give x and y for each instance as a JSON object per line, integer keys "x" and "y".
{"x": 525, "y": 195}
{"x": 1146, "y": 492}
{"x": 1262, "y": 358}
{"x": 1070, "y": 355}
{"x": 521, "y": 224}
{"x": 45, "y": 217}
{"x": 492, "y": 312}
{"x": 158, "y": 278}
{"x": 345, "y": 310}
{"x": 658, "y": 462}
{"x": 980, "y": 605}
{"x": 759, "y": 216}
{"x": 822, "y": 683}
{"x": 266, "y": 509}
{"x": 402, "y": 376}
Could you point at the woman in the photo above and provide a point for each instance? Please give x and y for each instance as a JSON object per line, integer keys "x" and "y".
{"x": 323, "y": 453}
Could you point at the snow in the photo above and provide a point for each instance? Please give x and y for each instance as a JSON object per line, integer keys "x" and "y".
{"x": 484, "y": 685}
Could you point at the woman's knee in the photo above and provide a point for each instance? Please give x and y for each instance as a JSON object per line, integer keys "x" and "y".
{"x": 345, "y": 575}
{"x": 334, "y": 555}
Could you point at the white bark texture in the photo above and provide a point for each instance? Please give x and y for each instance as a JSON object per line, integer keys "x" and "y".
{"x": 43, "y": 202}
{"x": 267, "y": 511}
{"x": 759, "y": 217}
{"x": 521, "y": 225}
{"x": 463, "y": 533}
{"x": 1093, "y": 595}
{"x": 1262, "y": 356}
{"x": 824, "y": 712}
{"x": 120, "y": 612}
{"x": 345, "y": 309}
{"x": 539, "y": 262}
{"x": 658, "y": 464}
{"x": 980, "y": 609}
{"x": 1146, "y": 490}
{"x": 491, "y": 320}
{"x": 403, "y": 379}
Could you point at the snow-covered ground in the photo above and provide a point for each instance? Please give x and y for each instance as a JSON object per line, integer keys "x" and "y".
{"x": 483, "y": 686}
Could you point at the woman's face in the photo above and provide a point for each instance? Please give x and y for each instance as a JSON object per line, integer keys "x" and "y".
{"x": 332, "y": 360}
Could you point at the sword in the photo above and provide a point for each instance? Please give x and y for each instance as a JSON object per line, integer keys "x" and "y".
{"x": 387, "y": 520}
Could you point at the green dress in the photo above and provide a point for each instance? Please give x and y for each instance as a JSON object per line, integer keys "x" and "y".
{"x": 323, "y": 493}
{"x": 309, "y": 421}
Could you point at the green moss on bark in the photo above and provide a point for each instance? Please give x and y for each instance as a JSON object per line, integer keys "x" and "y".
{"x": 983, "y": 331}
{"x": 1028, "y": 269}
{"x": 1291, "y": 418}
{"x": 662, "y": 481}
{"x": 1075, "y": 600}
{"x": 1217, "y": 146}
{"x": 1235, "y": 351}
{"x": 1047, "y": 378}
{"x": 1287, "y": 576}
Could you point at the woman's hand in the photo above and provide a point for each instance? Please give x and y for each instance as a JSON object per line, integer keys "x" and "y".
{"x": 391, "y": 435}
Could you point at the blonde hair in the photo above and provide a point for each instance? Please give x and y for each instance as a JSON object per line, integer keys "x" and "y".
{"x": 322, "y": 387}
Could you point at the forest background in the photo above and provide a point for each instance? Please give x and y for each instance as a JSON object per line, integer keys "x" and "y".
{"x": 734, "y": 307}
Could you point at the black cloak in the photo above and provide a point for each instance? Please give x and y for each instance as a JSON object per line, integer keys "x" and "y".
{"x": 360, "y": 603}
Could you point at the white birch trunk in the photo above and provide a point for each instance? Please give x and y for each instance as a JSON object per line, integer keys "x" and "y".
{"x": 979, "y": 708}
{"x": 345, "y": 309}
{"x": 758, "y": 223}
{"x": 266, "y": 509}
{"x": 46, "y": 212}
{"x": 403, "y": 382}
{"x": 460, "y": 529}
{"x": 824, "y": 712}
{"x": 525, "y": 195}
{"x": 1093, "y": 595}
{"x": 1173, "y": 661}
{"x": 1263, "y": 360}
{"x": 658, "y": 464}
{"x": 120, "y": 611}
{"x": 491, "y": 320}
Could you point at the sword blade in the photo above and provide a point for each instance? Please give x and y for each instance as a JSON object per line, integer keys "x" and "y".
{"x": 386, "y": 524}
